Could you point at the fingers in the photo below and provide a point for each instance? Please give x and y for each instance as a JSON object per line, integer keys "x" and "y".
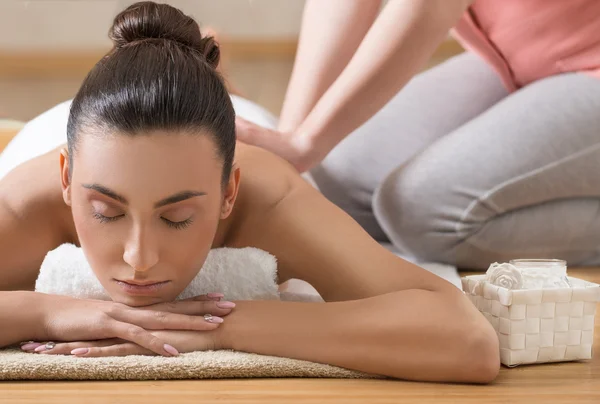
{"x": 241, "y": 121}
{"x": 30, "y": 346}
{"x": 207, "y": 297}
{"x": 123, "y": 349}
{"x": 145, "y": 339}
{"x": 193, "y": 315}
{"x": 160, "y": 320}
{"x": 216, "y": 297}
{"x": 193, "y": 307}
{"x": 107, "y": 347}
{"x": 246, "y": 131}
{"x": 65, "y": 348}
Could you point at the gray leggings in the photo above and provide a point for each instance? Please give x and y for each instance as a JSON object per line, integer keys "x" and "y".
{"x": 456, "y": 170}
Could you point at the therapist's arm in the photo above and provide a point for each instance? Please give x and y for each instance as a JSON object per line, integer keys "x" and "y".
{"x": 331, "y": 32}
{"x": 399, "y": 43}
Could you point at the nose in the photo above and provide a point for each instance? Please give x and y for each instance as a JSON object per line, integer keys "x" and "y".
{"x": 141, "y": 253}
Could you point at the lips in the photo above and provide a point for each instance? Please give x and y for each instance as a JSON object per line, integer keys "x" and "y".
{"x": 141, "y": 288}
{"x": 134, "y": 283}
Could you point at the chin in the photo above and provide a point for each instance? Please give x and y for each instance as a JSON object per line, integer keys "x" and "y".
{"x": 133, "y": 299}
{"x": 137, "y": 301}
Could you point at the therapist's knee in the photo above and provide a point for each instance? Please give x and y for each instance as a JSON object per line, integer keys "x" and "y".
{"x": 409, "y": 205}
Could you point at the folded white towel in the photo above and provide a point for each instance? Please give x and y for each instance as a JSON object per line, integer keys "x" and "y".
{"x": 239, "y": 273}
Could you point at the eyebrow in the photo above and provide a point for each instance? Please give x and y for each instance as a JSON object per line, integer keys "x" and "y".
{"x": 178, "y": 197}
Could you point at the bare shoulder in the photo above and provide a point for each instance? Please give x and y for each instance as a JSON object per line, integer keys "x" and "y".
{"x": 35, "y": 182}
{"x": 265, "y": 177}
{"x": 265, "y": 180}
{"x": 33, "y": 219}
{"x": 314, "y": 240}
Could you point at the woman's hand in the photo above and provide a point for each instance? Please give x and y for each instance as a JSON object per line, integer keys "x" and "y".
{"x": 182, "y": 341}
{"x": 294, "y": 148}
{"x": 69, "y": 319}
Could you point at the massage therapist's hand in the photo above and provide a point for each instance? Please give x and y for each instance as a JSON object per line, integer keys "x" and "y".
{"x": 294, "y": 148}
{"x": 71, "y": 320}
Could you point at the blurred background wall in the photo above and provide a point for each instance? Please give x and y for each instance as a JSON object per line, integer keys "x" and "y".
{"x": 83, "y": 24}
{"x": 47, "y": 46}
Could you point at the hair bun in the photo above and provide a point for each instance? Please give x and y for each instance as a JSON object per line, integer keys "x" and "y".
{"x": 148, "y": 20}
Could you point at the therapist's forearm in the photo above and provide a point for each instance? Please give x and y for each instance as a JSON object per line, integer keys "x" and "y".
{"x": 397, "y": 46}
{"x": 331, "y": 32}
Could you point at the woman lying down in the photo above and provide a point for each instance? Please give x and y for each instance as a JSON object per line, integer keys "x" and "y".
{"x": 151, "y": 179}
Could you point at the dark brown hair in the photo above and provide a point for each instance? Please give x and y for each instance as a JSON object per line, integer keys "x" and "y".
{"x": 160, "y": 75}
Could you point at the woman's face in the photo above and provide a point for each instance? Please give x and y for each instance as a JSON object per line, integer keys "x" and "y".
{"x": 146, "y": 209}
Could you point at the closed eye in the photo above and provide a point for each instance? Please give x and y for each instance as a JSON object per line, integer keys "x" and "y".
{"x": 178, "y": 225}
{"x": 175, "y": 225}
{"x": 106, "y": 219}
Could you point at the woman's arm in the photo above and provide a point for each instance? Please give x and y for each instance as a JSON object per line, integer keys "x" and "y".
{"x": 18, "y": 310}
{"x": 384, "y": 315}
{"x": 413, "y": 335}
{"x": 399, "y": 43}
{"x": 330, "y": 34}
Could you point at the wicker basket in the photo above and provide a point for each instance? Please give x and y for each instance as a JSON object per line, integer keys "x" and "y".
{"x": 538, "y": 325}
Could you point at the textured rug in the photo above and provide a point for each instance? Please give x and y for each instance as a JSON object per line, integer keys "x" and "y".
{"x": 17, "y": 365}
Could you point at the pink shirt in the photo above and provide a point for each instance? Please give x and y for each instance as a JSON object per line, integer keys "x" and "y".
{"x": 527, "y": 40}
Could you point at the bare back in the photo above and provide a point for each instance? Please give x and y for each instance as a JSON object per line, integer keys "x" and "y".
{"x": 33, "y": 220}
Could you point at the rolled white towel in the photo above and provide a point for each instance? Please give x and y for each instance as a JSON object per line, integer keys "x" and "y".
{"x": 239, "y": 273}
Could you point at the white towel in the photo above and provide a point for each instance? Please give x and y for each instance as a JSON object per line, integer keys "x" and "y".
{"x": 239, "y": 273}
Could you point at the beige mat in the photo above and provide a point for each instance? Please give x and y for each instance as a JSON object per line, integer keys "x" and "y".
{"x": 17, "y": 365}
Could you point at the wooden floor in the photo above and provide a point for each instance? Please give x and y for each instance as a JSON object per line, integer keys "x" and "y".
{"x": 545, "y": 384}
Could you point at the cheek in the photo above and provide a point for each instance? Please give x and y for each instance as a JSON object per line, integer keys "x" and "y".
{"x": 189, "y": 247}
{"x": 185, "y": 252}
{"x": 87, "y": 227}
{"x": 84, "y": 224}
{"x": 99, "y": 248}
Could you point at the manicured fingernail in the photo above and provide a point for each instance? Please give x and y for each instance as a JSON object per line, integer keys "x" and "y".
{"x": 30, "y": 345}
{"x": 215, "y": 295}
{"x": 80, "y": 351}
{"x": 215, "y": 319}
{"x": 171, "y": 350}
{"x": 226, "y": 305}
{"x": 40, "y": 348}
